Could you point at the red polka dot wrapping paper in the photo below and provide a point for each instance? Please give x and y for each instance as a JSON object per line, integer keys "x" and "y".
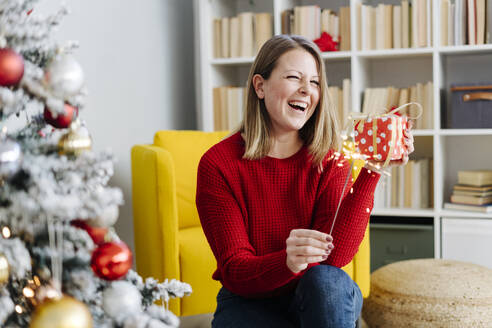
{"x": 380, "y": 137}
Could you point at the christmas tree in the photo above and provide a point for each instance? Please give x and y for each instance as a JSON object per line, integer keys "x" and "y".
{"x": 61, "y": 262}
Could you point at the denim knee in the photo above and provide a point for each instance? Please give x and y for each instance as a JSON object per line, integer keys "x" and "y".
{"x": 328, "y": 281}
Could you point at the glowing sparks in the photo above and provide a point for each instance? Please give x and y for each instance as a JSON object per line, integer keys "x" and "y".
{"x": 351, "y": 190}
{"x": 368, "y": 210}
{"x": 18, "y": 309}
{"x": 37, "y": 281}
{"x": 28, "y": 292}
{"x": 6, "y": 232}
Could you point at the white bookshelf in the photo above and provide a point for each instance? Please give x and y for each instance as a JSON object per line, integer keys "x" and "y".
{"x": 451, "y": 149}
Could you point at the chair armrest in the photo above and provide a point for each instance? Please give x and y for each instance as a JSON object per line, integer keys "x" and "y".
{"x": 155, "y": 213}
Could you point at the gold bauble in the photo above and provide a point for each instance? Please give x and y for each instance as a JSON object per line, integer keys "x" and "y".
{"x": 4, "y": 269}
{"x": 65, "y": 312}
{"x": 75, "y": 141}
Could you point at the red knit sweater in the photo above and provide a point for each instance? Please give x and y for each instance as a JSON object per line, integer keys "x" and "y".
{"x": 247, "y": 209}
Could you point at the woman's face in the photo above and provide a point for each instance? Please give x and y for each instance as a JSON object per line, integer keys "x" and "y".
{"x": 292, "y": 91}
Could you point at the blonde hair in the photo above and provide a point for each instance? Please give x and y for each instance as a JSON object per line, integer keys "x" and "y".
{"x": 320, "y": 133}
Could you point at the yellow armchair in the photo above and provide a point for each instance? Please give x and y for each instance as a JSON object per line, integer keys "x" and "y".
{"x": 169, "y": 240}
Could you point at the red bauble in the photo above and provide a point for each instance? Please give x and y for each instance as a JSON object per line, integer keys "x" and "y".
{"x": 62, "y": 121}
{"x": 111, "y": 261}
{"x": 97, "y": 234}
{"x": 11, "y": 67}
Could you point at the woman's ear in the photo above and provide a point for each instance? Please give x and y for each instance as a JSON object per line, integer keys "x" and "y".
{"x": 258, "y": 83}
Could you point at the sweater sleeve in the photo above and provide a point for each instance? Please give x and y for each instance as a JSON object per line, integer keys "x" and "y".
{"x": 353, "y": 215}
{"x": 242, "y": 271}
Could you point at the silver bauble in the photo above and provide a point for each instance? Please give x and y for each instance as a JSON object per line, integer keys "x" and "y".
{"x": 122, "y": 299}
{"x": 10, "y": 158}
{"x": 64, "y": 76}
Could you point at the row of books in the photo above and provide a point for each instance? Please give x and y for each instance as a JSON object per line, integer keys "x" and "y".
{"x": 311, "y": 21}
{"x": 341, "y": 99}
{"x": 386, "y": 26}
{"x": 242, "y": 35}
{"x": 473, "y": 192}
{"x": 464, "y": 22}
{"x": 380, "y": 100}
{"x": 228, "y": 107}
{"x": 408, "y": 186}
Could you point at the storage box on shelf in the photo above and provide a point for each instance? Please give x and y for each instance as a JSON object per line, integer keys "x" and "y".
{"x": 451, "y": 150}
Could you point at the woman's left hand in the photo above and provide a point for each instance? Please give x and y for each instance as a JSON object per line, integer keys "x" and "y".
{"x": 408, "y": 139}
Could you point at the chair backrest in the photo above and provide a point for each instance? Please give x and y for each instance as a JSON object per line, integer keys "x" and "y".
{"x": 186, "y": 148}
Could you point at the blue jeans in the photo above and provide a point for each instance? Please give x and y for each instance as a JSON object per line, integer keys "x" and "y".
{"x": 324, "y": 297}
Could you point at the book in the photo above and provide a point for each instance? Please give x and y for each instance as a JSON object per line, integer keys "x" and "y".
{"x": 451, "y": 13}
{"x": 217, "y": 38}
{"x": 365, "y": 27}
{"x": 358, "y": 9}
{"x": 347, "y": 101}
{"x": 394, "y": 186}
{"x": 408, "y": 188}
{"x": 472, "y": 188}
{"x": 414, "y": 23}
{"x": 397, "y": 27}
{"x": 472, "y": 23}
{"x": 234, "y": 37}
{"x": 444, "y": 22}
{"x": 263, "y": 29}
{"x": 417, "y": 182}
{"x": 480, "y": 12}
{"x": 473, "y": 208}
{"x": 225, "y": 25}
{"x": 405, "y": 24}
{"x": 425, "y": 185}
{"x": 286, "y": 21}
{"x": 217, "y": 109}
{"x": 401, "y": 186}
{"x": 422, "y": 21}
{"x": 471, "y": 200}
{"x": 345, "y": 38}
{"x": 388, "y": 27}
{"x": 247, "y": 39}
{"x": 476, "y": 178}
{"x": 473, "y": 193}
{"x": 380, "y": 26}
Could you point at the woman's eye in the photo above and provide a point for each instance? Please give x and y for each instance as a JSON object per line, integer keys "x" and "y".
{"x": 315, "y": 82}
{"x": 292, "y": 77}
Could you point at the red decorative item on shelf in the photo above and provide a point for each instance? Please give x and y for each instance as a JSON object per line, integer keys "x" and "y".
{"x": 11, "y": 67}
{"x": 326, "y": 43}
{"x": 96, "y": 233}
{"x": 62, "y": 121}
{"x": 111, "y": 261}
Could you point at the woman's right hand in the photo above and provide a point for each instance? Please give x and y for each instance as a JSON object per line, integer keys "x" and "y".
{"x": 306, "y": 246}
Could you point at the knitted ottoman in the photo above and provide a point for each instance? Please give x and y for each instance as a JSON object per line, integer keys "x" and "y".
{"x": 430, "y": 293}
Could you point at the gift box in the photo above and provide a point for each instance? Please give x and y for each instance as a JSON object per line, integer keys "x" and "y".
{"x": 381, "y": 138}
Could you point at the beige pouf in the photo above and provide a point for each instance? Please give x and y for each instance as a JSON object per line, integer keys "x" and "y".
{"x": 430, "y": 293}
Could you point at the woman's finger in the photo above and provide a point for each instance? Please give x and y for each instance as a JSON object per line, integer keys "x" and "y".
{"x": 305, "y": 241}
{"x": 310, "y": 251}
{"x": 309, "y": 233}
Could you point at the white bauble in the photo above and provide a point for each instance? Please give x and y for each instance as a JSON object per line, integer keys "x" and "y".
{"x": 108, "y": 217}
{"x": 10, "y": 157}
{"x": 64, "y": 76}
{"x": 122, "y": 299}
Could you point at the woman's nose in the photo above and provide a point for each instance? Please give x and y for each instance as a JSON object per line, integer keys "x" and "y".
{"x": 305, "y": 88}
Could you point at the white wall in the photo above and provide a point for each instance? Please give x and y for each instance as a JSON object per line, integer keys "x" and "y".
{"x": 138, "y": 61}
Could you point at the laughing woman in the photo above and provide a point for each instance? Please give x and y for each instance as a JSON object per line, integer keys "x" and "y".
{"x": 267, "y": 195}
